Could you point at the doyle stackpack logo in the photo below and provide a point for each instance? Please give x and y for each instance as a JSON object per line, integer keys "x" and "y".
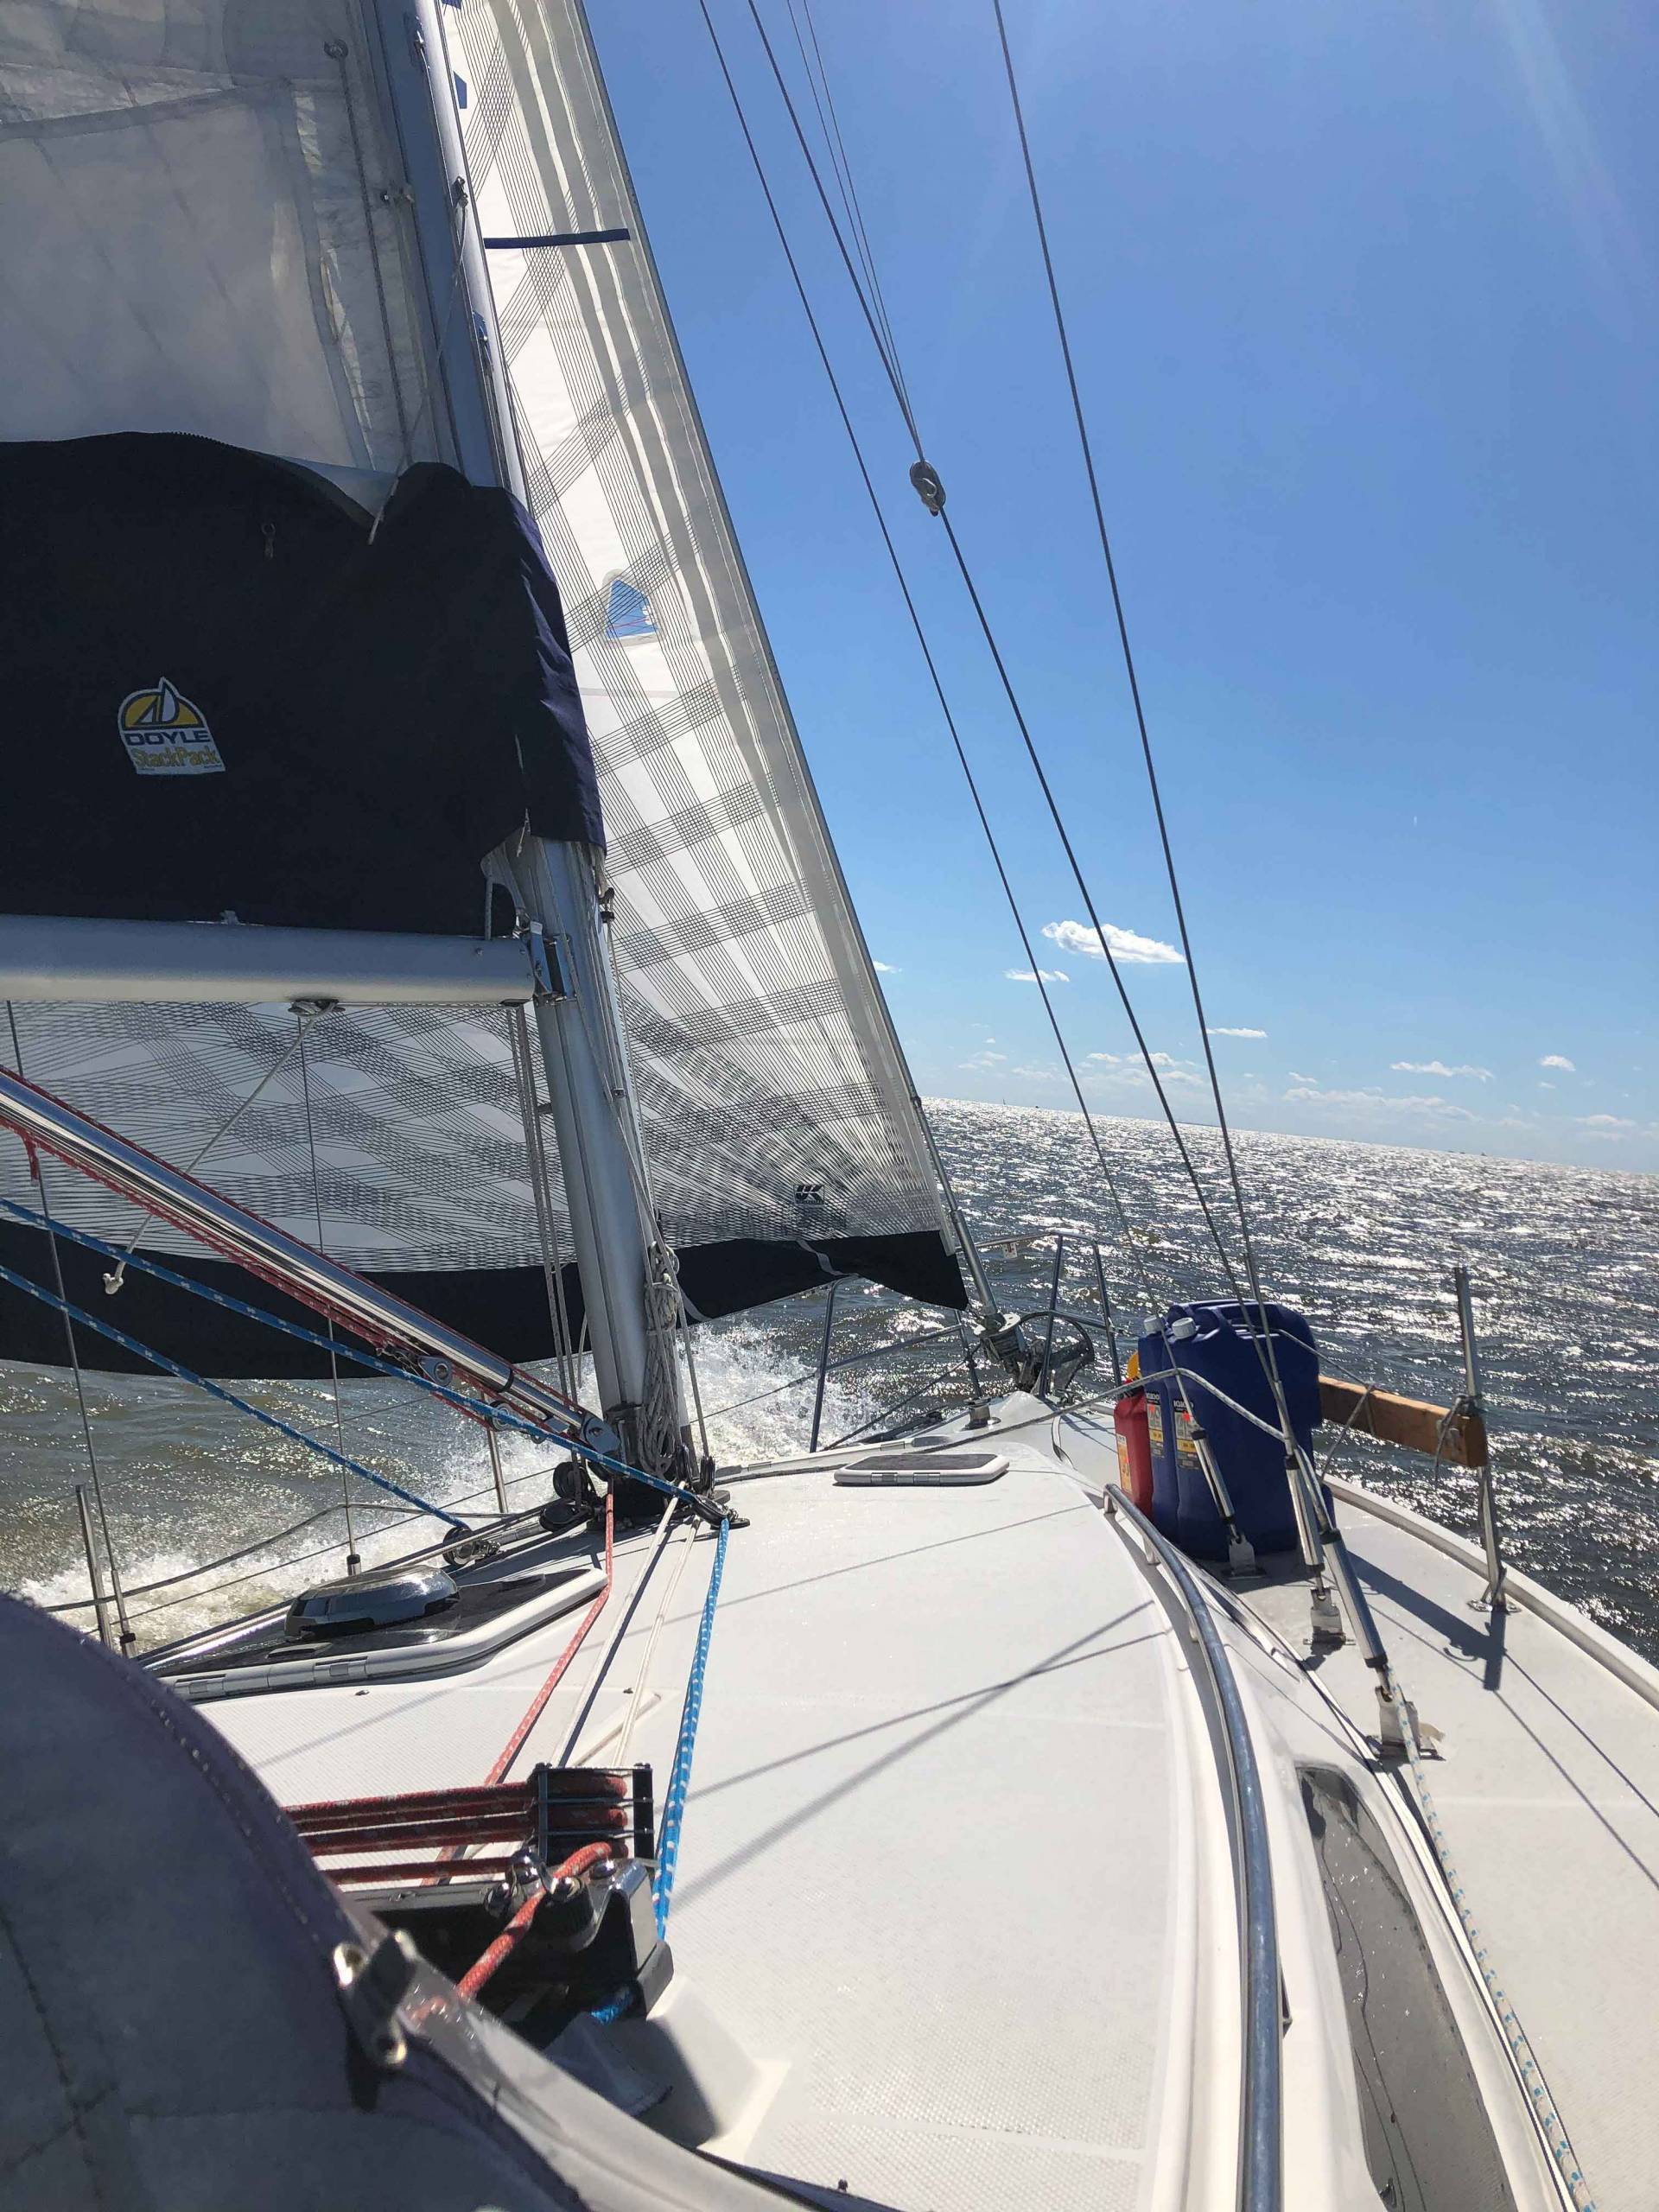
{"x": 167, "y": 734}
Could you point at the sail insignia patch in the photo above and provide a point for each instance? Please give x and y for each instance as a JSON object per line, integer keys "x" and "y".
{"x": 167, "y": 734}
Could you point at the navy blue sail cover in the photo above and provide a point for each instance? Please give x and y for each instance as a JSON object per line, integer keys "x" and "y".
{"x": 229, "y": 694}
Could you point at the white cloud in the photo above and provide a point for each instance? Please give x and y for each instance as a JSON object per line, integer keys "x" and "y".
{"x": 1037, "y": 1074}
{"x": 1128, "y": 1069}
{"x": 1133, "y": 1060}
{"x": 1126, "y": 945}
{"x": 1312, "y": 1079}
{"x": 886, "y": 968}
{"x": 1438, "y": 1068}
{"x": 1605, "y": 1125}
{"x": 1556, "y": 1061}
{"x": 1029, "y": 976}
{"x": 1220, "y": 1031}
{"x": 1377, "y": 1101}
{"x": 986, "y": 1060}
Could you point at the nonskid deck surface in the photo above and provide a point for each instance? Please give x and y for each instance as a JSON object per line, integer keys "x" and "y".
{"x": 1546, "y": 1783}
{"x": 937, "y": 1744}
{"x": 951, "y": 1828}
{"x": 923, "y": 1883}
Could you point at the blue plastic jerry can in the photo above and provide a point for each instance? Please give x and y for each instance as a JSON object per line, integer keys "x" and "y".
{"x": 1219, "y": 1359}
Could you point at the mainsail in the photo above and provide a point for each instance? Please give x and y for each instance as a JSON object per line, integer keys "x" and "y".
{"x": 781, "y": 1136}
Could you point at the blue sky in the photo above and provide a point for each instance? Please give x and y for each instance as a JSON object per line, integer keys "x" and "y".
{"x": 1363, "y": 300}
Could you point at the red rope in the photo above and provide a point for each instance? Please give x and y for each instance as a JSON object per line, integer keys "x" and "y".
{"x": 511, "y": 1936}
{"x": 515, "y": 1743}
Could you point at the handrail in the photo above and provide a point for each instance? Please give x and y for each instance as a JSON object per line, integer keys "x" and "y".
{"x": 1262, "y": 2097}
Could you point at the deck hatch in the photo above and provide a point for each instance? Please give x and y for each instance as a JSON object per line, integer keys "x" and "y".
{"x": 1428, "y": 2142}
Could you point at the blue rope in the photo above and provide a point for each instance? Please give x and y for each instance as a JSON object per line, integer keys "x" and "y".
{"x": 679, "y": 1780}
{"x": 458, "y": 1399}
{"x": 184, "y": 1375}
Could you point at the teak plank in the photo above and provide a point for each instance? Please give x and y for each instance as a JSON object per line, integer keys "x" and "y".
{"x": 1407, "y": 1422}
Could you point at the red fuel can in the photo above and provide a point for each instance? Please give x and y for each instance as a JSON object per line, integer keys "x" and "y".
{"x": 1133, "y": 1449}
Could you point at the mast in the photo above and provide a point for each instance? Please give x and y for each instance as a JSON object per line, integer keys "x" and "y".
{"x": 555, "y": 885}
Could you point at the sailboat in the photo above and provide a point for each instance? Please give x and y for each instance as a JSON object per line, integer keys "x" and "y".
{"x": 1072, "y": 1797}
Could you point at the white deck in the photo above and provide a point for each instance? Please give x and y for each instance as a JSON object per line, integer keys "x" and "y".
{"x": 955, "y": 1916}
{"x": 940, "y": 1780}
{"x": 927, "y": 1759}
{"x": 1547, "y": 1786}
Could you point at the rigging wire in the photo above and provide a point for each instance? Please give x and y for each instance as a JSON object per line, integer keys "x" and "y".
{"x": 477, "y": 1408}
{"x": 37, "y": 1169}
{"x": 72, "y": 1313}
{"x": 829, "y": 122}
{"x": 303, "y": 1015}
{"x": 541, "y": 1191}
{"x": 395, "y": 1515}
{"x": 1132, "y": 1243}
{"x": 1265, "y": 1344}
{"x": 928, "y": 485}
{"x": 113, "y": 1281}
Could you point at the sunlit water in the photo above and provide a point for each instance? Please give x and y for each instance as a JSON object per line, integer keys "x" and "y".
{"x": 1362, "y": 1237}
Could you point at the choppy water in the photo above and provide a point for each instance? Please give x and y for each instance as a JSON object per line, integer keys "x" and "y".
{"x": 1565, "y": 1262}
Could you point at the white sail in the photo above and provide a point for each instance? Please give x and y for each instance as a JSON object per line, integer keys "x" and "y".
{"x": 775, "y": 1099}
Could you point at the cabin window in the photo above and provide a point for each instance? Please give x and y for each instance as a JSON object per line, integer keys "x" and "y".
{"x": 1429, "y": 2143}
